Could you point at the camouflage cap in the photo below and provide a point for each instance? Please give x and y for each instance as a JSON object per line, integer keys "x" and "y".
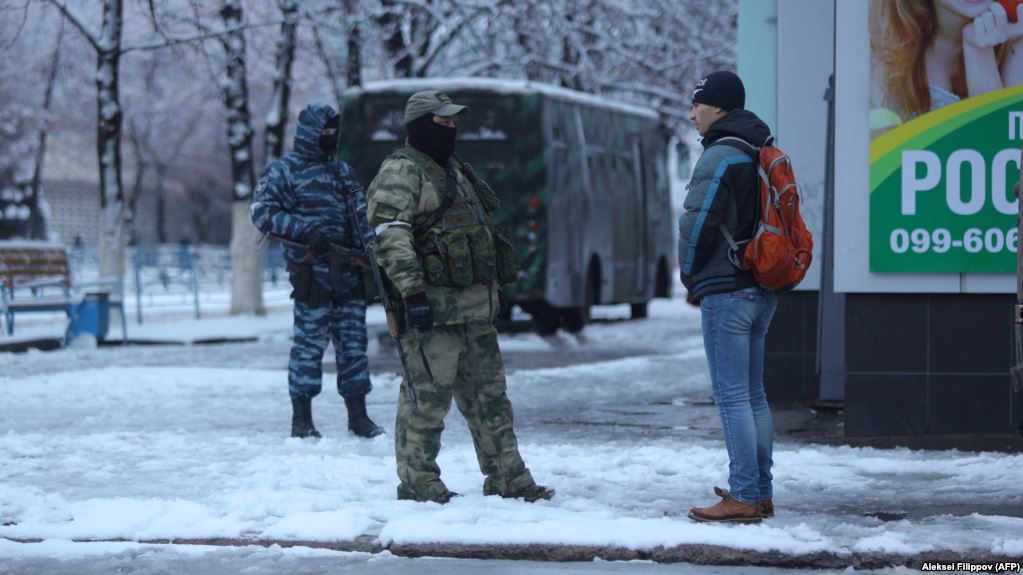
{"x": 431, "y": 102}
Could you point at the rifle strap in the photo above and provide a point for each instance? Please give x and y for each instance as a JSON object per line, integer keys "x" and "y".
{"x": 436, "y": 215}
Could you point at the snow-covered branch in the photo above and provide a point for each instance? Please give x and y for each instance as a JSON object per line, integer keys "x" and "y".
{"x": 209, "y": 35}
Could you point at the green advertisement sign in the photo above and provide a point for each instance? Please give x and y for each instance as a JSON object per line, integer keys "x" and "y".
{"x": 946, "y": 120}
{"x": 941, "y": 187}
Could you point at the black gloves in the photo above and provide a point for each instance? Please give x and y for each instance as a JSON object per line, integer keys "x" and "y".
{"x": 420, "y": 316}
{"x": 317, "y": 242}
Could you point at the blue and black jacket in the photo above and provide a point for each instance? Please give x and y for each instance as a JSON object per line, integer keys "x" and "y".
{"x": 723, "y": 191}
{"x": 309, "y": 189}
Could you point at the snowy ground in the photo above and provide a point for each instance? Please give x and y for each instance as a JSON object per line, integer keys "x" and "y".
{"x": 146, "y": 445}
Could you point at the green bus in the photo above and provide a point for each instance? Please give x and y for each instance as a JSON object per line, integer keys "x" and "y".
{"x": 583, "y": 183}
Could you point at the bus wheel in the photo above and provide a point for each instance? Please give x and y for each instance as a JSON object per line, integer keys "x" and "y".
{"x": 546, "y": 318}
{"x": 663, "y": 286}
{"x": 639, "y": 310}
{"x": 575, "y": 318}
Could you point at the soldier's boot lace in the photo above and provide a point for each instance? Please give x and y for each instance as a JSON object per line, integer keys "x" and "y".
{"x": 359, "y": 422}
{"x": 302, "y": 418}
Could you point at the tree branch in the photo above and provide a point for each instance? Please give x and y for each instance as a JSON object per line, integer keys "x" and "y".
{"x": 77, "y": 23}
{"x": 21, "y": 27}
{"x": 210, "y": 35}
{"x": 442, "y": 43}
{"x": 321, "y": 51}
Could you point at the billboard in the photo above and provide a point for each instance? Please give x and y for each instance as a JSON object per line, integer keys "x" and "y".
{"x": 946, "y": 126}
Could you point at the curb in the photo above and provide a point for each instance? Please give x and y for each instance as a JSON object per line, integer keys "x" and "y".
{"x": 694, "y": 554}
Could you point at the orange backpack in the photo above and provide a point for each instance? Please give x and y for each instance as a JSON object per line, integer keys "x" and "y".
{"x": 781, "y": 249}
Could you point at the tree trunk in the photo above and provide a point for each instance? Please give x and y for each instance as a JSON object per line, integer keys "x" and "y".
{"x": 394, "y": 43}
{"x": 143, "y": 163}
{"x": 321, "y": 51}
{"x": 353, "y": 71}
{"x": 108, "y": 144}
{"x": 161, "y": 205}
{"x": 247, "y": 258}
{"x": 39, "y": 228}
{"x": 277, "y": 118}
{"x": 246, "y": 263}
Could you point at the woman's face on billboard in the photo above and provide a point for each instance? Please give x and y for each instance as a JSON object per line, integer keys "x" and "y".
{"x": 967, "y": 8}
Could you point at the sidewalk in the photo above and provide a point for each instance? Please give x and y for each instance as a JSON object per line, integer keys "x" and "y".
{"x": 188, "y": 446}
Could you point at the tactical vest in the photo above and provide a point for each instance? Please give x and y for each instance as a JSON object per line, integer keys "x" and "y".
{"x": 462, "y": 247}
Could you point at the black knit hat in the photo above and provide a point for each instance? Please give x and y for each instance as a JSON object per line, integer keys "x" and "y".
{"x": 722, "y": 89}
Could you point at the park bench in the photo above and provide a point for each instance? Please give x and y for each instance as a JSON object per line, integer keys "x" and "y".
{"x": 37, "y": 278}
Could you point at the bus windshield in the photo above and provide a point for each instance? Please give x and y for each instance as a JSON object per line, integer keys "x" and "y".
{"x": 488, "y": 120}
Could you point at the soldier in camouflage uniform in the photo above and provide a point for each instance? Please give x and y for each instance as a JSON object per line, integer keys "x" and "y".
{"x": 312, "y": 198}
{"x": 442, "y": 254}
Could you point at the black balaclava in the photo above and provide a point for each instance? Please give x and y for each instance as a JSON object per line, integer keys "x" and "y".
{"x": 329, "y": 143}
{"x": 431, "y": 138}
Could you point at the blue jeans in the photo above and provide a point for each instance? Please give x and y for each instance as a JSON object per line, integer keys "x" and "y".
{"x": 734, "y": 327}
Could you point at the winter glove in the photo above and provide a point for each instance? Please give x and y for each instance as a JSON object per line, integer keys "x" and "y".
{"x": 317, "y": 242}
{"x": 420, "y": 316}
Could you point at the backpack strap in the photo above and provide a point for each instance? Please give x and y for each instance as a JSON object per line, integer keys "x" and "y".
{"x": 742, "y": 145}
{"x": 736, "y": 247}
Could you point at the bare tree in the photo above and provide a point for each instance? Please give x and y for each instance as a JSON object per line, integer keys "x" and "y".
{"x": 107, "y": 45}
{"x": 24, "y": 132}
{"x": 156, "y": 145}
{"x": 277, "y": 117}
{"x": 349, "y": 31}
{"x": 38, "y": 222}
{"x": 336, "y": 88}
{"x": 16, "y": 152}
{"x": 247, "y": 256}
{"x": 352, "y": 18}
{"x": 397, "y": 42}
{"x": 417, "y": 34}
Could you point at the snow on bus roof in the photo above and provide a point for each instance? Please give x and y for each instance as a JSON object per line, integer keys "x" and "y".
{"x": 504, "y": 86}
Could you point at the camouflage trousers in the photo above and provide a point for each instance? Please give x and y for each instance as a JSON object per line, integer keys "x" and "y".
{"x": 341, "y": 322}
{"x": 464, "y": 362}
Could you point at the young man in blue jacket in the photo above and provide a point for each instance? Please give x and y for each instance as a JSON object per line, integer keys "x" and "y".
{"x": 723, "y": 195}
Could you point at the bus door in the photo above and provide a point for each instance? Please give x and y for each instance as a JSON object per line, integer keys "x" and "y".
{"x": 643, "y": 240}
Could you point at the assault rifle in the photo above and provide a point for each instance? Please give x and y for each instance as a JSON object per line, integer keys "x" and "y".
{"x": 392, "y": 325}
{"x": 351, "y": 255}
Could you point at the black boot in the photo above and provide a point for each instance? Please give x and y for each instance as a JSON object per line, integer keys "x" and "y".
{"x": 358, "y": 422}
{"x": 302, "y": 418}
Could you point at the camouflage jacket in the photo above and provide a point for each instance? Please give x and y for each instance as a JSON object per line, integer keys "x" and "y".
{"x": 402, "y": 195}
{"x": 308, "y": 189}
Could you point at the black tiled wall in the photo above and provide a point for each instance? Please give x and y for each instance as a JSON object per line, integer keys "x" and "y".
{"x": 929, "y": 364}
{"x": 790, "y": 350}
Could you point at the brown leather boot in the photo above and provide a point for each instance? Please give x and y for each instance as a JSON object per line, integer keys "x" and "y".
{"x": 766, "y": 508}
{"x": 727, "y": 509}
